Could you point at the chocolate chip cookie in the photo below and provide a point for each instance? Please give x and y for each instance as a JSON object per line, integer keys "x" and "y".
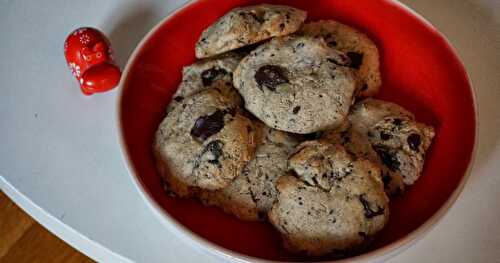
{"x": 359, "y": 146}
{"x": 296, "y": 84}
{"x": 252, "y": 193}
{"x": 243, "y": 26}
{"x": 335, "y": 203}
{"x": 205, "y": 74}
{"x": 401, "y": 144}
{"x": 205, "y": 141}
{"x": 361, "y": 50}
{"x": 400, "y": 141}
{"x": 366, "y": 113}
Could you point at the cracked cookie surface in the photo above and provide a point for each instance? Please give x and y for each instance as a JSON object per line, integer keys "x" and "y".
{"x": 252, "y": 193}
{"x": 204, "y": 142}
{"x": 205, "y": 74}
{"x": 359, "y": 146}
{"x": 361, "y": 50}
{"x": 401, "y": 144}
{"x": 244, "y": 26}
{"x": 400, "y": 141}
{"x": 335, "y": 203}
{"x": 296, "y": 84}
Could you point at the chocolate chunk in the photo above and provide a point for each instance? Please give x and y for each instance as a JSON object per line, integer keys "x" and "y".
{"x": 389, "y": 159}
{"x": 296, "y": 110}
{"x": 414, "y": 141}
{"x": 369, "y": 212}
{"x": 342, "y": 60}
{"x": 331, "y": 40}
{"x": 315, "y": 181}
{"x": 332, "y": 43}
{"x": 270, "y": 76}
{"x": 312, "y": 136}
{"x": 215, "y": 148}
{"x": 397, "y": 122}
{"x": 257, "y": 18}
{"x": 208, "y": 76}
{"x": 346, "y": 138}
{"x": 386, "y": 180}
{"x": 356, "y": 59}
{"x": 385, "y": 136}
{"x": 231, "y": 111}
{"x": 206, "y": 126}
{"x": 247, "y": 49}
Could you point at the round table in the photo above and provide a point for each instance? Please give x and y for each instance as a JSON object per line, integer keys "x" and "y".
{"x": 60, "y": 159}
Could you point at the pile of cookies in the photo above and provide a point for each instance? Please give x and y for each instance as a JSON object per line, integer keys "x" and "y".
{"x": 274, "y": 122}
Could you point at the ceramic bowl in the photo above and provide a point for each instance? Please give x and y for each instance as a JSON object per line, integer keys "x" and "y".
{"x": 421, "y": 71}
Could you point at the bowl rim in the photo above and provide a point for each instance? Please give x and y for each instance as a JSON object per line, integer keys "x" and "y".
{"x": 209, "y": 248}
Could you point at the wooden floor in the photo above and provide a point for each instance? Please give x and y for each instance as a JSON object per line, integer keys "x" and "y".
{"x": 24, "y": 240}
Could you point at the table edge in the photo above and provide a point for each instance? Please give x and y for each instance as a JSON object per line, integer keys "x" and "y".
{"x": 77, "y": 240}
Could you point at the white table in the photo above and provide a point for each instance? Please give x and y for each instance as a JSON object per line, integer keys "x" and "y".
{"x": 60, "y": 159}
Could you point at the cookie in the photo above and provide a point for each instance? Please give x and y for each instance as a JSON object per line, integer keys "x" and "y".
{"x": 400, "y": 141}
{"x": 401, "y": 144}
{"x": 252, "y": 193}
{"x": 361, "y": 50}
{"x": 205, "y": 74}
{"x": 335, "y": 204}
{"x": 359, "y": 146}
{"x": 296, "y": 84}
{"x": 366, "y": 113}
{"x": 205, "y": 141}
{"x": 243, "y": 26}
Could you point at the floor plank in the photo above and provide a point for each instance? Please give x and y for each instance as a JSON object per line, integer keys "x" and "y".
{"x": 13, "y": 223}
{"x": 24, "y": 240}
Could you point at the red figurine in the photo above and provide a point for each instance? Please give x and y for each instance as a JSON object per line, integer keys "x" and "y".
{"x": 90, "y": 59}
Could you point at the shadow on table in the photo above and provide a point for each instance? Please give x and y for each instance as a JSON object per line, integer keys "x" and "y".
{"x": 466, "y": 24}
{"x": 127, "y": 25}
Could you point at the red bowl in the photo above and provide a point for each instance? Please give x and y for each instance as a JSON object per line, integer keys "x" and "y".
{"x": 420, "y": 71}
